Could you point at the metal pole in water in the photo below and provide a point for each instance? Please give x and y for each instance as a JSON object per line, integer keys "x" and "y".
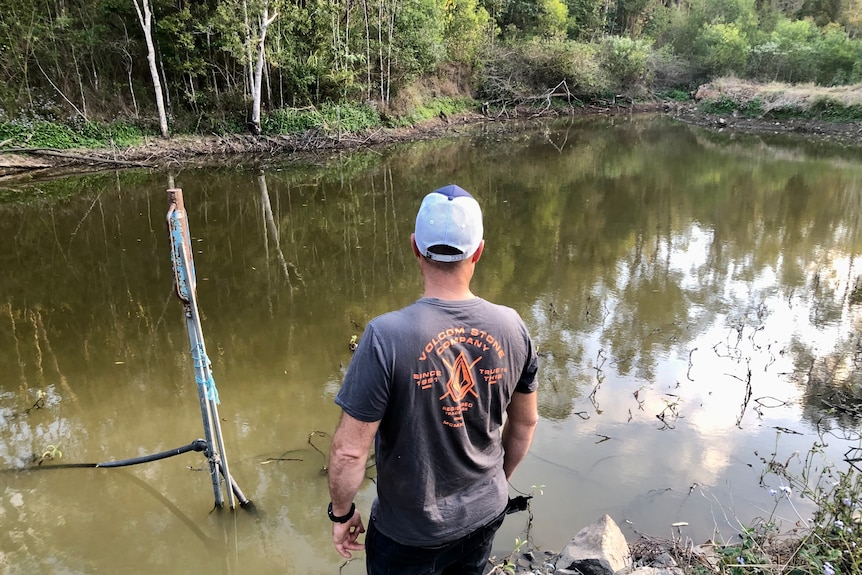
{"x": 186, "y": 287}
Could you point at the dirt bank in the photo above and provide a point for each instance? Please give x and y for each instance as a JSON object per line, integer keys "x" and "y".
{"x": 28, "y": 164}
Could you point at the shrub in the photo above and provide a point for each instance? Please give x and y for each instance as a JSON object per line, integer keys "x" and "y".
{"x": 831, "y": 109}
{"x": 36, "y": 133}
{"x": 669, "y": 71}
{"x": 836, "y": 57}
{"x": 290, "y": 121}
{"x": 725, "y": 47}
{"x": 722, "y": 105}
{"x": 625, "y": 60}
{"x": 349, "y": 117}
{"x": 514, "y": 73}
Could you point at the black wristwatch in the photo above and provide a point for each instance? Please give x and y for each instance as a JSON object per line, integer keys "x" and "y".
{"x": 343, "y": 518}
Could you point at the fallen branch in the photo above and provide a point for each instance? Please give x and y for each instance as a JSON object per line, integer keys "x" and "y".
{"x": 59, "y": 154}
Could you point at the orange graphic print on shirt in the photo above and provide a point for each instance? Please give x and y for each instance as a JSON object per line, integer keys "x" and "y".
{"x": 461, "y": 381}
{"x": 464, "y": 381}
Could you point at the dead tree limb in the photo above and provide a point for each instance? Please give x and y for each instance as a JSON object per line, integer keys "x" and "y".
{"x": 58, "y": 154}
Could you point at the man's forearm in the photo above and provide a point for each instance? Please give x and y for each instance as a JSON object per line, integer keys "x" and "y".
{"x": 350, "y": 446}
{"x": 517, "y": 438}
{"x": 346, "y": 472}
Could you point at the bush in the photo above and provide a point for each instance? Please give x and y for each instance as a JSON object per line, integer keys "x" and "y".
{"x": 669, "y": 71}
{"x": 36, "y": 133}
{"x": 519, "y": 72}
{"x": 290, "y": 121}
{"x": 830, "y": 109}
{"x": 625, "y": 61}
{"x": 725, "y": 47}
{"x": 349, "y": 117}
{"x": 722, "y": 105}
{"x": 836, "y": 57}
{"x": 345, "y": 117}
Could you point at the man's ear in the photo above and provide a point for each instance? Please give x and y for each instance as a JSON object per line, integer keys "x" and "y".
{"x": 478, "y": 253}
{"x": 414, "y": 246}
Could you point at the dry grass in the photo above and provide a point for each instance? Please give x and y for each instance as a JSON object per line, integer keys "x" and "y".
{"x": 774, "y": 95}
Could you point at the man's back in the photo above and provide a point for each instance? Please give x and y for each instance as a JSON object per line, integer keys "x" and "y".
{"x": 438, "y": 375}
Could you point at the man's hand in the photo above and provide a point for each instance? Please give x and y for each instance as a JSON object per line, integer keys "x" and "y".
{"x": 347, "y": 457}
{"x": 345, "y": 535}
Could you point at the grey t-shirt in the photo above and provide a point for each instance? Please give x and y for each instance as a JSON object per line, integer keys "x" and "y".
{"x": 439, "y": 375}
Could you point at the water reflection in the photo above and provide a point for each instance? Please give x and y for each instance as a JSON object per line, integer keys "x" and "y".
{"x": 695, "y": 300}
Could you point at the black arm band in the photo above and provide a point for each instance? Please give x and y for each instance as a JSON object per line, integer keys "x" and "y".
{"x": 343, "y": 518}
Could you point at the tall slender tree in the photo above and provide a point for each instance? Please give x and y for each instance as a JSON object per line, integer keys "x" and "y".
{"x": 144, "y": 10}
{"x": 264, "y": 22}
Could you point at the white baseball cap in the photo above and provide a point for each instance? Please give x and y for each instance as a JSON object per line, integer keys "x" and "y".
{"x": 449, "y": 217}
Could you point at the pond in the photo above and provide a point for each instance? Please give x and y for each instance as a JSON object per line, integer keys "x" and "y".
{"x": 695, "y": 298}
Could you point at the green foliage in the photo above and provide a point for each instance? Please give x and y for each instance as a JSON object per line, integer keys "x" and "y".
{"x": 830, "y": 543}
{"x": 837, "y": 57}
{"x": 723, "y": 105}
{"x": 87, "y": 59}
{"x": 44, "y": 134}
{"x": 740, "y": 559}
{"x": 466, "y": 23}
{"x": 714, "y": 36}
{"x": 788, "y": 54}
{"x": 422, "y": 111}
{"x": 349, "y": 117}
{"x": 585, "y": 18}
{"x": 725, "y": 49}
{"x": 524, "y": 70}
{"x": 670, "y": 71}
{"x": 674, "y": 95}
{"x": 289, "y": 121}
{"x": 625, "y": 60}
{"x": 330, "y": 117}
{"x": 552, "y": 18}
{"x": 830, "y": 109}
{"x": 419, "y": 43}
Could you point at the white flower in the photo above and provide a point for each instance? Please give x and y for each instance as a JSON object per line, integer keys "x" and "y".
{"x": 772, "y": 492}
{"x": 786, "y": 490}
{"x": 741, "y": 561}
{"x": 828, "y": 569}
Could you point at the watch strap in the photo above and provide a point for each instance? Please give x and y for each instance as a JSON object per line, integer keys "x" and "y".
{"x": 343, "y": 518}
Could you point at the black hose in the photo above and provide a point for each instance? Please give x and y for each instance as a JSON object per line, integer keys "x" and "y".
{"x": 196, "y": 445}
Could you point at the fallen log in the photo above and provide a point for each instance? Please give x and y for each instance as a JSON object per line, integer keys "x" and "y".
{"x": 78, "y": 158}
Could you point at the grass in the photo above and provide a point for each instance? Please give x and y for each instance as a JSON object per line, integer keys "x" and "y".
{"x": 783, "y": 101}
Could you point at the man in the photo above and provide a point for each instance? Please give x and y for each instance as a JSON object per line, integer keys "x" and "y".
{"x": 431, "y": 383}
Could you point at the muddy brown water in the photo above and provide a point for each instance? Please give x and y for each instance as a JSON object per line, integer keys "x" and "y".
{"x": 694, "y": 297}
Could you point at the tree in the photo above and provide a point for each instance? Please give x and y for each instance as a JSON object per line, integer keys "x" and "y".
{"x": 466, "y": 23}
{"x": 264, "y": 21}
{"x": 145, "y": 17}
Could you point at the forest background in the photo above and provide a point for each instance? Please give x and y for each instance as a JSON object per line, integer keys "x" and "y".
{"x": 88, "y": 72}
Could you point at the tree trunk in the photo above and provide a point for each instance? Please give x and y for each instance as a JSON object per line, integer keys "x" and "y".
{"x": 145, "y": 17}
{"x": 265, "y": 21}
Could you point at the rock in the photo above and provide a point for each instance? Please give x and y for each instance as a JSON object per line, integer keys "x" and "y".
{"x": 664, "y": 560}
{"x": 598, "y": 549}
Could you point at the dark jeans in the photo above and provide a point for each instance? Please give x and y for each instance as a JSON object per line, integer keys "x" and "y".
{"x": 465, "y": 556}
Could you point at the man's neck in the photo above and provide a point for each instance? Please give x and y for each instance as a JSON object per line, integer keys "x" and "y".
{"x": 447, "y": 286}
{"x": 447, "y": 293}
